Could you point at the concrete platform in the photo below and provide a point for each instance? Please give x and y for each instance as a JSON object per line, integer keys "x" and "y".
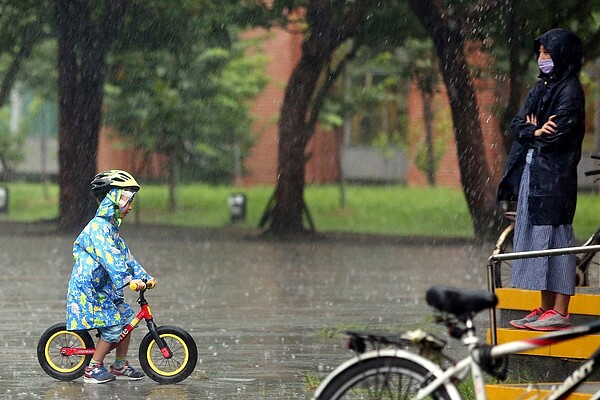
{"x": 585, "y": 302}
{"x": 584, "y": 308}
{"x": 580, "y": 348}
{"x": 537, "y": 391}
{"x": 546, "y": 366}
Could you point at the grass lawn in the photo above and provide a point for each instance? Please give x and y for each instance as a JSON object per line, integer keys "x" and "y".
{"x": 394, "y": 209}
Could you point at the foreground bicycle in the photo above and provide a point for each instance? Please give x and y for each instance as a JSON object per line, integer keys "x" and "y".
{"x": 389, "y": 371}
{"x": 168, "y": 354}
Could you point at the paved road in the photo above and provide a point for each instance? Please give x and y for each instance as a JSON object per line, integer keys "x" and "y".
{"x": 259, "y": 311}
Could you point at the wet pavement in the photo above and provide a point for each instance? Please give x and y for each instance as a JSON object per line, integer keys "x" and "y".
{"x": 261, "y": 312}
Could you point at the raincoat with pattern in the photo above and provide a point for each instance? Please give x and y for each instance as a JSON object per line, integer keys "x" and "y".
{"x": 103, "y": 265}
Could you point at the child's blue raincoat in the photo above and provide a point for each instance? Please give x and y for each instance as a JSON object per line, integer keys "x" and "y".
{"x": 103, "y": 266}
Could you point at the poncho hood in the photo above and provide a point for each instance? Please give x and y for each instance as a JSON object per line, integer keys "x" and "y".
{"x": 108, "y": 208}
{"x": 565, "y": 49}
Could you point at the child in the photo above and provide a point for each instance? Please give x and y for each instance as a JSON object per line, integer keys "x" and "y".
{"x": 102, "y": 266}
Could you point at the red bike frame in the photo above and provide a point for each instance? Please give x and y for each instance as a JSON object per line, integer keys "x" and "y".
{"x": 144, "y": 314}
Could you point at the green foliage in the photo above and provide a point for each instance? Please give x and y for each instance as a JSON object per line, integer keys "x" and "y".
{"x": 374, "y": 99}
{"x": 416, "y": 60}
{"x": 20, "y": 19}
{"x": 443, "y": 137}
{"x": 38, "y": 72}
{"x": 422, "y": 153}
{"x": 183, "y": 89}
{"x": 311, "y": 380}
{"x": 388, "y": 143}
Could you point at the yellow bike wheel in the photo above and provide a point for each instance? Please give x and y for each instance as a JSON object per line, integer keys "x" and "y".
{"x": 57, "y": 365}
{"x": 175, "y": 368}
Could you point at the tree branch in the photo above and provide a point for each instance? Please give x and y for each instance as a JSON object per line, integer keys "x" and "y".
{"x": 321, "y": 95}
{"x": 30, "y": 38}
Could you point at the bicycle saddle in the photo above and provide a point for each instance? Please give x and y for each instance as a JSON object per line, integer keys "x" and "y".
{"x": 460, "y": 302}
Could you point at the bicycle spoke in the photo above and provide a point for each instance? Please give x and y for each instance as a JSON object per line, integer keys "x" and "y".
{"x": 57, "y": 360}
{"x": 385, "y": 385}
{"x": 174, "y": 363}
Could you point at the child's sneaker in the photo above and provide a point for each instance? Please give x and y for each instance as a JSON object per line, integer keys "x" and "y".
{"x": 531, "y": 317}
{"x": 98, "y": 374}
{"x": 550, "y": 321}
{"x": 127, "y": 372}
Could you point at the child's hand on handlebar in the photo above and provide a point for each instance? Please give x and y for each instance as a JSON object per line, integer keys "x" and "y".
{"x": 138, "y": 284}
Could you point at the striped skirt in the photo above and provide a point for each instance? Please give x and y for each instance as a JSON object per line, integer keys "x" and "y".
{"x": 555, "y": 274}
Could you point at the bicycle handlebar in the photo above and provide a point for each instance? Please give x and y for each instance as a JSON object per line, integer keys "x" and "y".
{"x": 141, "y": 284}
{"x": 594, "y": 171}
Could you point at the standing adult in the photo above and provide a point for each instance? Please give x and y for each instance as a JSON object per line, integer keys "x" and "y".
{"x": 541, "y": 174}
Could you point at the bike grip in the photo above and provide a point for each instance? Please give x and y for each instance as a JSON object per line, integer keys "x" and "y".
{"x": 150, "y": 284}
{"x": 137, "y": 285}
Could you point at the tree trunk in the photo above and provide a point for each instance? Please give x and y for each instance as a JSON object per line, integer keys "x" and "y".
{"x": 428, "y": 122}
{"x": 82, "y": 47}
{"x": 172, "y": 179}
{"x": 517, "y": 67}
{"x": 286, "y": 215}
{"x": 304, "y": 97}
{"x": 476, "y": 178}
{"x": 30, "y": 38}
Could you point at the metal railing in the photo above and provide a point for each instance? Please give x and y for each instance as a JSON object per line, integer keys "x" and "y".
{"x": 495, "y": 260}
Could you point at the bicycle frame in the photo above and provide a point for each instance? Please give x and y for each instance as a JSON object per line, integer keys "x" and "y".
{"x": 144, "y": 314}
{"x": 497, "y": 352}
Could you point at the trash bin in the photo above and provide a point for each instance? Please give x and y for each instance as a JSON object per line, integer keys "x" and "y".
{"x": 3, "y": 200}
{"x": 237, "y": 207}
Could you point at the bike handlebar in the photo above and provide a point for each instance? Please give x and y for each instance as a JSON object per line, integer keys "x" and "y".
{"x": 141, "y": 284}
{"x": 594, "y": 171}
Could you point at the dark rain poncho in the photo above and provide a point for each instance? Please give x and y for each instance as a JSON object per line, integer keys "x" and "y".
{"x": 553, "y": 187}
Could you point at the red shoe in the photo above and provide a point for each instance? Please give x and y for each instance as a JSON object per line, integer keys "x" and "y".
{"x": 550, "y": 321}
{"x": 531, "y": 317}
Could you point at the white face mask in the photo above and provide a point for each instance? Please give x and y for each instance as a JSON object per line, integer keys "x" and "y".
{"x": 546, "y": 66}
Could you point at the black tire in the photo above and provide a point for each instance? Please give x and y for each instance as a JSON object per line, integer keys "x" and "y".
{"x": 502, "y": 273}
{"x": 58, "y": 366}
{"x": 380, "y": 378}
{"x": 176, "y": 368}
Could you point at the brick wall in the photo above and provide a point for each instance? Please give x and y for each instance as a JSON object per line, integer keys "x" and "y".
{"x": 283, "y": 50}
{"x": 112, "y": 154}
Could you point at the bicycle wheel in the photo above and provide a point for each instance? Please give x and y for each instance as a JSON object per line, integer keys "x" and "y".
{"x": 57, "y": 365}
{"x": 503, "y": 271}
{"x": 173, "y": 369}
{"x": 587, "y": 260}
{"x": 382, "y": 377}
